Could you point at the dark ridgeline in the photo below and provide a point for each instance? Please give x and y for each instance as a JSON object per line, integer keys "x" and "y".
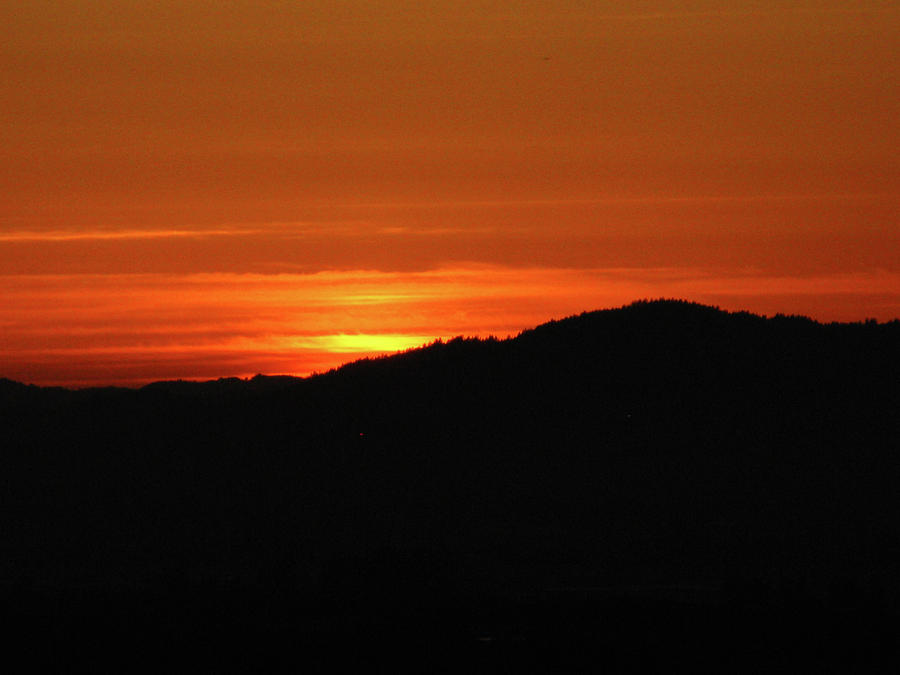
{"x": 655, "y": 486}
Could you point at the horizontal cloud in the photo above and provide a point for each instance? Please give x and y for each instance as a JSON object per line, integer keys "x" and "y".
{"x": 781, "y": 234}
{"x": 27, "y": 236}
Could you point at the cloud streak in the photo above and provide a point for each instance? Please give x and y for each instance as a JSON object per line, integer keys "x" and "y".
{"x": 764, "y": 231}
{"x": 31, "y": 236}
{"x": 737, "y": 13}
{"x": 274, "y": 229}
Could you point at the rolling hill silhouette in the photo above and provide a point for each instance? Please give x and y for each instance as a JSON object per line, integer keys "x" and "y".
{"x": 655, "y": 484}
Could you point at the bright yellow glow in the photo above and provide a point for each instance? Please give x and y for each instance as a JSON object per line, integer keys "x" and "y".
{"x": 364, "y": 343}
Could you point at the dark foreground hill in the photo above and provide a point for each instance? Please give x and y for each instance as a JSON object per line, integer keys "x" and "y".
{"x": 636, "y": 489}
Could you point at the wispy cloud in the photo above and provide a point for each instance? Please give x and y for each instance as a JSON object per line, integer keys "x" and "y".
{"x": 640, "y": 231}
{"x": 286, "y": 229}
{"x": 613, "y": 200}
{"x": 860, "y": 8}
{"x": 119, "y": 235}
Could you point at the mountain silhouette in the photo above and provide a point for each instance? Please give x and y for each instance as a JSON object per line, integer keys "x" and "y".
{"x": 657, "y": 484}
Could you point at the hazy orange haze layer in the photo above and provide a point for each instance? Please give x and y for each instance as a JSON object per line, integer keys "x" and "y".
{"x": 129, "y": 329}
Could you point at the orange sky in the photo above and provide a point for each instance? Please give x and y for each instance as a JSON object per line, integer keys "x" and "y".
{"x": 198, "y": 189}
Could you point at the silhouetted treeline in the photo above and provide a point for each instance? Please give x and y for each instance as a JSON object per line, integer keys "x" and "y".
{"x": 591, "y": 484}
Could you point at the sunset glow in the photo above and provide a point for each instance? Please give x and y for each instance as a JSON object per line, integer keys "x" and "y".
{"x": 198, "y": 189}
